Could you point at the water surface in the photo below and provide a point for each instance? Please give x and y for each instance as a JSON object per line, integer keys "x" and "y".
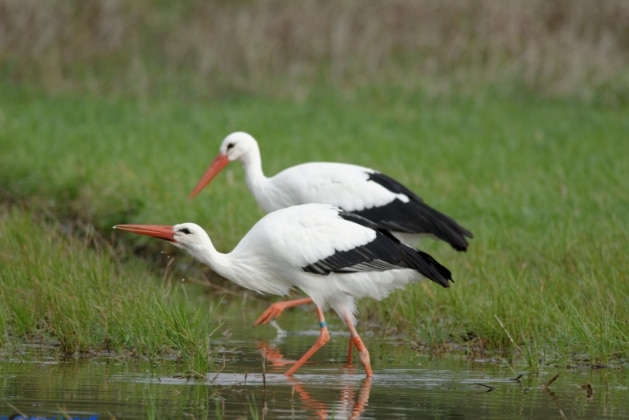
{"x": 245, "y": 384}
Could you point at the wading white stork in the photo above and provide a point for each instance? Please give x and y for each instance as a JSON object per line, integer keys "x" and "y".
{"x": 333, "y": 256}
{"x": 360, "y": 190}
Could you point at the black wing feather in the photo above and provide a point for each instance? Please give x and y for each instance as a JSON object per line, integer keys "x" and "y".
{"x": 385, "y": 252}
{"x": 415, "y": 216}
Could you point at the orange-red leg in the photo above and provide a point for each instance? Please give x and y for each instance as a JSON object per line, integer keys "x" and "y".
{"x": 363, "y": 353}
{"x": 350, "y": 355}
{"x": 324, "y": 337}
{"x": 276, "y": 309}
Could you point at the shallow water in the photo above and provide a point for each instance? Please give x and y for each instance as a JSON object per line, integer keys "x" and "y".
{"x": 246, "y": 385}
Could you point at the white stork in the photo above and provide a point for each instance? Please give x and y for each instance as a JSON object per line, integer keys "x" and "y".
{"x": 353, "y": 188}
{"x": 333, "y": 256}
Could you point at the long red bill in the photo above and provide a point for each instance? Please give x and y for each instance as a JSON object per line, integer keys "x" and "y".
{"x": 219, "y": 163}
{"x": 157, "y": 231}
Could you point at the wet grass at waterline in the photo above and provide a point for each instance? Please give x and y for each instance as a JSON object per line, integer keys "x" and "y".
{"x": 72, "y": 296}
{"x": 540, "y": 183}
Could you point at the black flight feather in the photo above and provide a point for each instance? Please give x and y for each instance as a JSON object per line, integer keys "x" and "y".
{"x": 385, "y": 252}
{"x": 415, "y": 216}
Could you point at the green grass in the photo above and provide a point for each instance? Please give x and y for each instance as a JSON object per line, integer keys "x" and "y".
{"x": 547, "y": 201}
{"x": 72, "y": 295}
{"x": 541, "y": 184}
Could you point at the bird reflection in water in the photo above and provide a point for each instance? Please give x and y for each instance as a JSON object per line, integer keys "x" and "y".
{"x": 352, "y": 400}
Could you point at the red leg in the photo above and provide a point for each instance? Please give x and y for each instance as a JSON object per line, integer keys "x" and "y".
{"x": 276, "y": 309}
{"x": 363, "y": 353}
{"x": 324, "y": 337}
{"x": 350, "y": 356}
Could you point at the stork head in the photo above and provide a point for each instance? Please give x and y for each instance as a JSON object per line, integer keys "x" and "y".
{"x": 237, "y": 146}
{"x": 188, "y": 236}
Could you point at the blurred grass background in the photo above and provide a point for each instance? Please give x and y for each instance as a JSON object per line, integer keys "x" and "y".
{"x": 510, "y": 116}
{"x": 291, "y": 49}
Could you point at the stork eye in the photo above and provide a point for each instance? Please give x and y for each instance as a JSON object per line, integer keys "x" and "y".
{"x": 230, "y": 146}
{"x": 185, "y": 230}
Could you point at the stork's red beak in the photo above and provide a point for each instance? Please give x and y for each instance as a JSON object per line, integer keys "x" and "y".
{"x": 219, "y": 163}
{"x": 157, "y": 231}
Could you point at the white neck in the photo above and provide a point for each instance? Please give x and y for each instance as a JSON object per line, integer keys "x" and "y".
{"x": 235, "y": 266}
{"x": 257, "y": 182}
{"x": 205, "y": 252}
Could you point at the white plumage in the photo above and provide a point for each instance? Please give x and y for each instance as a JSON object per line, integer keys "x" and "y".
{"x": 353, "y": 188}
{"x": 333, "y": 256}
